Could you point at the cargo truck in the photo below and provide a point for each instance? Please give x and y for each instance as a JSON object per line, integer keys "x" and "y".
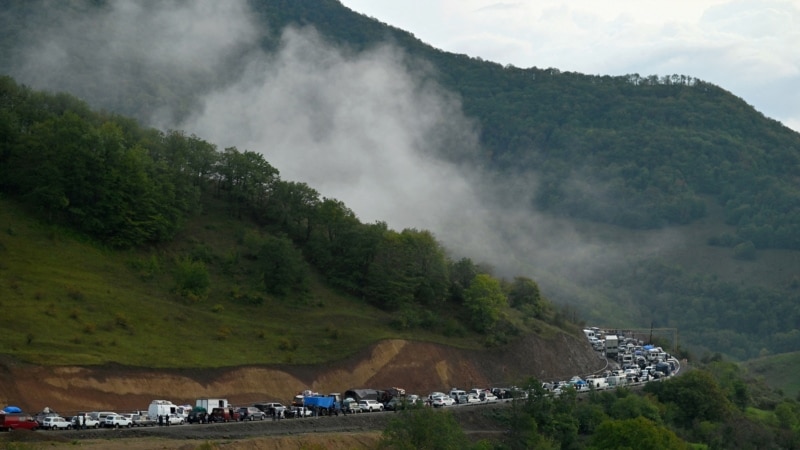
{"x": 612, "y": 346}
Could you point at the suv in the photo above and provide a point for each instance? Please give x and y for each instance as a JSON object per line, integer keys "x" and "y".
{"x": 352, "y": 407}
{"x": 272, "y": 409}
{"x": 442, "y": 400}
{"x": 251, "y": 413}
{"x": 370, "y": 405}
{"x": 117, "y": 421}
{"x": 56, "y": 423}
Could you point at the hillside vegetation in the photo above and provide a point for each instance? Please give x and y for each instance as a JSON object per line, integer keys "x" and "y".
{"x": 616, "y": 156}
{"x": 121, "y": 242}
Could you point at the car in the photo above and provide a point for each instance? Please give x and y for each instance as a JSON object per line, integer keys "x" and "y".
{"x": 435, "y": 394}
{"x": 488, "y": 397}
{"x": 117, "y": 421}
{"x": 140, "y": 420}
{"x": 398, "y": 403}
{"x": 56, "y": 423}
{"x": 442, "y": 400}
{"x": 352, "y": 407}
{"x": 466, "y": 399}
{"x": 456, "y": 393}
{"x": 301, "y": 411}
{"x": 251, "y": 413}
{"x": 198, "y": 414}
{"x": 175, "y": 419}
{"x": 370, "y": 405}
{"x": 272, "y": 409}
{"x": 43, "y": 415}
{"x": 84, "y": 420}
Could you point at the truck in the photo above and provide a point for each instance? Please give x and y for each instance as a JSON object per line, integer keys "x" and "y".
{"x": 612, "y": 346}
{"x": 161, "y": 408}
{"x": 16, "y": 421}
{"x": 211, "y": 403}
{"x": 322, "y": 406}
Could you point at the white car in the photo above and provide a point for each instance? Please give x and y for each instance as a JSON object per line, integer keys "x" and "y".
{"x": 175, "y": 419}
{"x": 467, "y": 399}
{"x": 85, "y": 421}
{"x": 442, "y": 400}
{"x": 488, "y": 397}
{"x": 370, "y": 405}
{"x": 117, "y": 421}
{"x": 56, "y": 423}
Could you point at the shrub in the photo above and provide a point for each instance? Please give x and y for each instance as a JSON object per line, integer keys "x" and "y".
{"x": 287, "y": 345}
{"x": 223, "y": 333}
{"x": 191, "y": 278}
{"x": 218, "y": 308}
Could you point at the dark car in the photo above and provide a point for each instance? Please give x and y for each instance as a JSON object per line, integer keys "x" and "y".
{"x": 251, "y": 413}
{"x": 198, "y": 414}
{"x": 223, "y": 415}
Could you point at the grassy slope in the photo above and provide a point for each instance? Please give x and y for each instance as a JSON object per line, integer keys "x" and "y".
{"x": 778, "y": 372}
{"x": 70, "y": 302}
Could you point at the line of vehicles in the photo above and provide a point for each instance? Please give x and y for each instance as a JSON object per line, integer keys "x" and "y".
{"x": 630, "y": 363}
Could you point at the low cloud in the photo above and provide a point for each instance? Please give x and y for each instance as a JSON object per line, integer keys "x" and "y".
{"x": 372, "y": 128}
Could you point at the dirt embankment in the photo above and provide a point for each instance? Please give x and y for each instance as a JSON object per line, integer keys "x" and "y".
{"x": 416, "y": 366}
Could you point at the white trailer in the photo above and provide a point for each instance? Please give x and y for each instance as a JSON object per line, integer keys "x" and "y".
{"x": 211, "y": 403}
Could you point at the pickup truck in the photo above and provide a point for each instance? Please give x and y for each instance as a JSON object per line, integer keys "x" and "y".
{"x": 143, "y": 421}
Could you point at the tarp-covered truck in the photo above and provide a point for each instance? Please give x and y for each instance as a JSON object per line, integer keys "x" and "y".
{"x": 323, "y": 406}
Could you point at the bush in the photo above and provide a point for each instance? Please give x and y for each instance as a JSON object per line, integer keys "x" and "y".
{"x": 191, "y": 278}
{"x": 745, "y": 251}
{"x": 287, "y": 345}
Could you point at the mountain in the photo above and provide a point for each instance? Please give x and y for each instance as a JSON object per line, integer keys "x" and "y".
{"x": 638, "y": 201}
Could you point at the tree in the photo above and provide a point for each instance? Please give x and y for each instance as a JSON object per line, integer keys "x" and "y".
{"x": 524, "y": 291}
{"x": 695, "y": 397}
{"x": 424, "y": 429}
{"x": 283, "y": 266}
{"x": 638, "y": 433}
{"x": 484, "y": 299}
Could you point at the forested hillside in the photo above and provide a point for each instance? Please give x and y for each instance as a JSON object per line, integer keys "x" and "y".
{"x": 127, "y": 187}
{"x": 618, "y": 156}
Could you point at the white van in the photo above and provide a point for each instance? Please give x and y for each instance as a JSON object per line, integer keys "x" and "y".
{"x": 456, "y": 393}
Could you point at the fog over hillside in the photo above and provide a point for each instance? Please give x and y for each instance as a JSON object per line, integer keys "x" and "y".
{"x": 371, "y": 129}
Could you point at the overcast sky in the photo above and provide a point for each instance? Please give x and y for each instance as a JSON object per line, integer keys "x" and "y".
{"x": 748, "y": 47}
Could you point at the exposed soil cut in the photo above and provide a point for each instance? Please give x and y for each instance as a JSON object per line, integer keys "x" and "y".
{"x": 416, "y": 366}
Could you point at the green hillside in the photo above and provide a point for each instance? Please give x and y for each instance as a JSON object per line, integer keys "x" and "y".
{"x": 69, "y": 300}
{"x": 125, "y": 244}
{"x": 778, "y": 372}
{"x": 627, "y": 160}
